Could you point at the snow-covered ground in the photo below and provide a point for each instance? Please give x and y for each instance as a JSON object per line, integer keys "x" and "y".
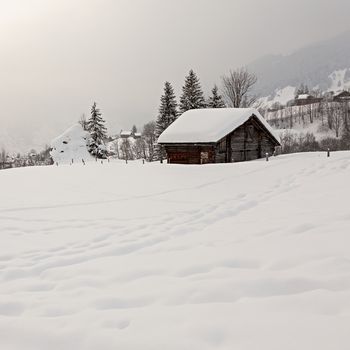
{"x": 234, "y": 256}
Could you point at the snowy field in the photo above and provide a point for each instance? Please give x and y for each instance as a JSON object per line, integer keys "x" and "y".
{"x": 163, "y": 257}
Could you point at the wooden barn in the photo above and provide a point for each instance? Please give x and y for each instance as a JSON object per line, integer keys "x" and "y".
{"x": 343, "y": 96}
{"x": 223, "y": 135}
{"x": 306, "y": 99}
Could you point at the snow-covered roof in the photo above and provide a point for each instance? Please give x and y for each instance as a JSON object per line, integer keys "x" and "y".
{"x": 125, "y": 133}
{"x": 209, "y": 125}
{"x": 303, "y": 97}
{"x": 342, "y": 93}
{"x": 137, "y": 134}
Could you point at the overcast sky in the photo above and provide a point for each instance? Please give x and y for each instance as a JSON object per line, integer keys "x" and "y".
{"x": 58, "y": 56}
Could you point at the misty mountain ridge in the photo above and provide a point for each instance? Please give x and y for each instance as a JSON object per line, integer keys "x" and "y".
{"x": 324, "y": 65}
{"x": 318, "y": 65}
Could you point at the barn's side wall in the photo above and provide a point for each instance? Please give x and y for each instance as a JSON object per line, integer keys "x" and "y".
{"x": 190, "y": 154}
{"x": 249, "y": 141}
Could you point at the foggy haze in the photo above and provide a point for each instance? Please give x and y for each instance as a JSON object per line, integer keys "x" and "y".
{"x": 58, "y": 57}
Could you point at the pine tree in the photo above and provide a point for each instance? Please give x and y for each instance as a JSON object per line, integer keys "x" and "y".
{"x": 134, "y": 129}
{"x": 216, "y": 100}
{"x": 98, "y": 133}
{"x": 192, "y": 95}
{"x": 167, "y": 114}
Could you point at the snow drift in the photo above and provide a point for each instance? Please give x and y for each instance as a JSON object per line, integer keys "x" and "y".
{"x": 71, "y": 145}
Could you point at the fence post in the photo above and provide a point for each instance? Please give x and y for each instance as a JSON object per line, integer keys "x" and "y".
{"x": 267, "y": 157}
{"x": 328, "y": 152}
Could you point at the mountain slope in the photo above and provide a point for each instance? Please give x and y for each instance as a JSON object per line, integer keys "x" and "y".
{"x": 311, "y": 65}
{"x": 129, "y": 256}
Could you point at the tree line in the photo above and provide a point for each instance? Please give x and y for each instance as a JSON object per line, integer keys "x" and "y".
{"x": 32, "y": 158}
{"x": 236, "y": 91}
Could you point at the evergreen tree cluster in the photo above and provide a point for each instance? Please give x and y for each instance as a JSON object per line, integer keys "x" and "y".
{"x": 192, "y": 97}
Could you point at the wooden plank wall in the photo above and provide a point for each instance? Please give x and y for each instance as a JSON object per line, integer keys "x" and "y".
{"x": 248, "y": 142}
{"x": 190, "y": 154}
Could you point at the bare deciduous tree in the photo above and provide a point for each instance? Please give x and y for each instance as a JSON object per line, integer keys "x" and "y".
{"x": 329, "y": 112}
{"x": 126, "y": 151}
{"x": 149, "y": 138}
{"x": 345, "y": 107}
{"x": 237, "y": 88}
{"x": 83, "y": 122}
{"x": 337, "y": 119}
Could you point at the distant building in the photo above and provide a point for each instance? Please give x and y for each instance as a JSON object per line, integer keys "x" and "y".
{"x": 137, "y": 135}
{"x": 306, "y": 99}
{"x": 125, "y": 134}
{"x": 343, "y": 96}
{"x": 222, "y": 135}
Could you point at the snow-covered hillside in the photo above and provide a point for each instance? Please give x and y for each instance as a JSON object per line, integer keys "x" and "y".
{"x": 281, "y": 96}
{"x": 317, "y": 129}
{"x": 238, "y": 256}
{"x": 300, "y": 115}
{"x": 311, "y": 65}
{"x": 337, "y": 81}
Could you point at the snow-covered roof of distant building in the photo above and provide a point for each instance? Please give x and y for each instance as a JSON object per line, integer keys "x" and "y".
{"x": 125, "y": 133}
{"x": 209, "y": 125}
{"x": 137, "y": 134}
{"x": 303, "y": 97}
{"x": 342, "y": 93}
